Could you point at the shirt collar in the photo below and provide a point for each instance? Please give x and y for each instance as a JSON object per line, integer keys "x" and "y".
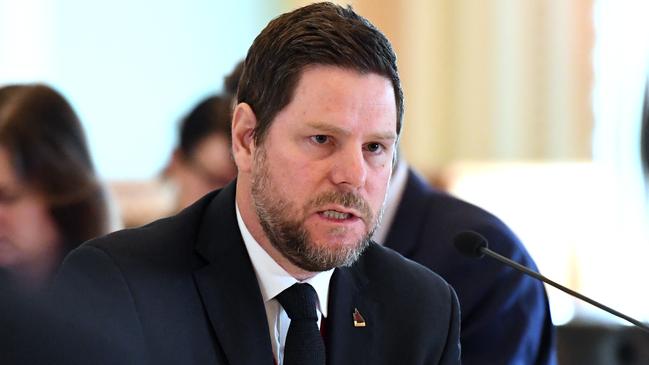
{"x": 272, "y": 278}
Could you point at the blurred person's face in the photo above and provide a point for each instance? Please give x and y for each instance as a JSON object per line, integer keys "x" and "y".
{"x": 209, "y": 168}
{"x": 30, "y": 243}
{"x": 318, "y": 181}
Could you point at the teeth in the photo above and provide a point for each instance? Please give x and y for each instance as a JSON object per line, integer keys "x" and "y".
{"x": 335, "y": 215}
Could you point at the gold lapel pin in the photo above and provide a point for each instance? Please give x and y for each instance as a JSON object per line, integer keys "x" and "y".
{"x": 359, "y": 321}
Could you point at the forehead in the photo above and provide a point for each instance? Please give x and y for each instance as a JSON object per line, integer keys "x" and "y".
{"x": 331, "y": 94}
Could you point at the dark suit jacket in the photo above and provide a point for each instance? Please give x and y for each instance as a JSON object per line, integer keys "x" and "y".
{"x": 32, "y": 332}
{"x": 184, "y": 289}
{"x": 505, "y": 315}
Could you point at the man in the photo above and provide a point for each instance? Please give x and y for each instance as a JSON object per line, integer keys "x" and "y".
{"x": 254, "y": 273}
{"x": 421, "y": 222}
{"x": 505, "y": 314}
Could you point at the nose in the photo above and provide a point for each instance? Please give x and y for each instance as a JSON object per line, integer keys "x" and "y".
{"x": 349, "y": 168}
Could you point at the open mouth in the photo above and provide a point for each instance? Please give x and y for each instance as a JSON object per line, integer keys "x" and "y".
{"x": 336, "y": 215}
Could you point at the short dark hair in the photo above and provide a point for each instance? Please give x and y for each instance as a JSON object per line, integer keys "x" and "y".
{"x": 210, "y": 116}
{"x": 317, "y": 34}
{"x": 48, "y": 151}
{"x": 231, "y": 81}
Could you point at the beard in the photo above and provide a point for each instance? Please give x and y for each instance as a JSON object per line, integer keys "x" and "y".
{"x": 284, "y": 223}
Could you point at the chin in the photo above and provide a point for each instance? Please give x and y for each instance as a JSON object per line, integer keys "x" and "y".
{"x": 338, "y": 241}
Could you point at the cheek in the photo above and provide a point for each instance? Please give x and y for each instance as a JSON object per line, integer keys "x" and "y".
{"x": 33, "y": 229}
{"x": 292, "y": 173}
{"x": 377, "y": 187}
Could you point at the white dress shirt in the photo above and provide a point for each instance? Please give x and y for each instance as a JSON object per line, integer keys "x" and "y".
{"x": 273, "y": 279}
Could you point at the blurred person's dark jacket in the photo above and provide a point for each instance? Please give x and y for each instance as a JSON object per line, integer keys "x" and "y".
{"x": 505, "y": 314}
{"x": 36, "y": 329}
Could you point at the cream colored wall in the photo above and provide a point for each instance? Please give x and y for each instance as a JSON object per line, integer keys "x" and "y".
{"x": 490, "y": 79}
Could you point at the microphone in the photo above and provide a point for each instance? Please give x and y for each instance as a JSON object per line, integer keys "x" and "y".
{"x": 473, "y": 244}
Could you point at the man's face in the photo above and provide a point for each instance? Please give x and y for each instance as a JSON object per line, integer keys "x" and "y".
{"x": 320, "y": 177}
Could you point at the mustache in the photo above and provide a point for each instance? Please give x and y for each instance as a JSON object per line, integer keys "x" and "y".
{"x": 346, "y": 199}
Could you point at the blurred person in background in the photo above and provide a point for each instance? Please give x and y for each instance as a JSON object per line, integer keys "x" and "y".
{"x": 202, "y": 161}
{"x": 35, "y": 331}
{"x": 505, "y": 314}
{"x": 231, "y": 82}
{"x": 50, "y": 198}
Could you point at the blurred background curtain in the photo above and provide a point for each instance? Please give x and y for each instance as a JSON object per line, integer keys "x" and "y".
{"x": 491, "y": 79}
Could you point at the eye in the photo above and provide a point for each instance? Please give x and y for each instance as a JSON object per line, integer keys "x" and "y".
{"x": 320, "y": 139}
{"x": 374, "y": 147}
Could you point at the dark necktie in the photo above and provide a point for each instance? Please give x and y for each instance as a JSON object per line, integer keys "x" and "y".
{"x": 304, "y": 344}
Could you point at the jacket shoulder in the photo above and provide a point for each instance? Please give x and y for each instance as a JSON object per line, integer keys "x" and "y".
{"x": 166, "y": 236}
{"x": 389, "y": 273}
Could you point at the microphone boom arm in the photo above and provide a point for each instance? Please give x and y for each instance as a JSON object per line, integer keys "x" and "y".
{"x": 538, "y": 276}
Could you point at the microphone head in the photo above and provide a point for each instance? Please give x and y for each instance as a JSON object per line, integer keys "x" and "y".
{"x": 470, "y": 243}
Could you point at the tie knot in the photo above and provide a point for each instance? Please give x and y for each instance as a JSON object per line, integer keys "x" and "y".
{"x": 299, "y": 301}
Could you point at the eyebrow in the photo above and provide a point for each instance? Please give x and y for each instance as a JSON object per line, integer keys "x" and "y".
{"x": 328, "y": 128}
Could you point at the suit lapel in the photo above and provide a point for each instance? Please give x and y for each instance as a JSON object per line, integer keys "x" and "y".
{"x": 347, "y": 343}
{"x": 233, "y": 302}
{"x": 228, "y": 286}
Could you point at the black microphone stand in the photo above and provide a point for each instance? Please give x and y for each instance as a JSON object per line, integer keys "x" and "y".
{"x": 517, "y": 266}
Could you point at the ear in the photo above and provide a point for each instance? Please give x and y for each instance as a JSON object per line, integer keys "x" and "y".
{"x": 244, "y": 122}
